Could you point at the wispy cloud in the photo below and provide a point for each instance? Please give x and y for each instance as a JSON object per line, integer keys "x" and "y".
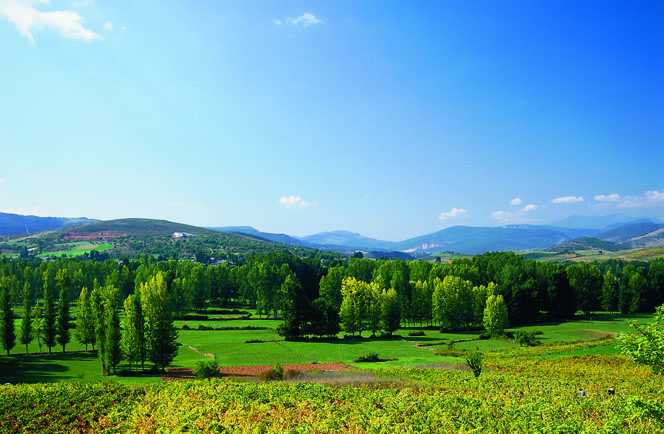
{"x": 108, "y": 26}
{"x": 568, "y": 199}
{"x": 293, "y": 201}
{"x": 27, "y": 18}
{"x": 529, "y": 208}
{"x": 307, "y": 19}
{"x": 1, "y": 180}
{"x": 615, "y": 197}
{"x": 648, "y": 199}
{"x": 37, "y": 210}
{"x": 510, "y": 217}
{"x": 516, "y": 201}
{"x": 454, "y": 212}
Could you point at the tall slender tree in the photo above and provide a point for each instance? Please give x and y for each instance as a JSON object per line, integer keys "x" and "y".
{"x": 37, "y": 325}
{"x": 133, "y": 336}
{"x": 49, "y": 318}
{"x": 160, "y": 333}
{"x": 26, "y": 323}
{"x": 85, "y": 324}
{"x": 7, "y": 332}
{"x": 62, "y": 324}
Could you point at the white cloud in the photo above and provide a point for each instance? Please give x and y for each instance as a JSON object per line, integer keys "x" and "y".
{"x": 454, "y": 212}
{"x": 108, "y": 26}
{"x": 648, "y": 199}
{"x": 1, "y": 180}
{"x": 615, "y": 197}
{"x": 27, "y": 18}
{"x": 278, "y": 22}
{"x": 516, "y": 201}
{"x": 568, "y": 199}
{"x": 293, "y": 201}
{"x": 37, "y": 210}
{"x": 529, "y": 207}
{"x": 305, "y": 20}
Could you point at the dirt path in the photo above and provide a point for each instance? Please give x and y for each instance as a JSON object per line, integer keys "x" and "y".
{"x": 193, "y": 348}
{"x": 600, "y": 332}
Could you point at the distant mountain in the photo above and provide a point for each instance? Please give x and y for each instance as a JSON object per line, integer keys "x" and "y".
{"x": 248, "y": 230}
{"x": 347, "y": 239}
{"x": 596, "y": 222}
{"x": 473, "y": 240}
{"x": 11, "y": 224}
{"x": 628, "y": 231}
{"x": 585, "y": 243}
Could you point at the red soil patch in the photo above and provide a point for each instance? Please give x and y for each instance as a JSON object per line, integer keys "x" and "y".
{"x": 73, "y": 236}
{"x": 254, "y": 371}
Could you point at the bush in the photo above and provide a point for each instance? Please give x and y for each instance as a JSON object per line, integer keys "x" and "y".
{"x": 484, "y": 336}
{"x": 475, "y": 360}
{"x": 204, "y": 327}
{"x": 274, "y": 374}
{"x": 206, "y": 369}
{"x": 371, "y": 357}
{"x": 293, "y": 373}
{"x": 417, "y": 333}
{"x": 185, "y": 327}
{"x": 525, "y": 339}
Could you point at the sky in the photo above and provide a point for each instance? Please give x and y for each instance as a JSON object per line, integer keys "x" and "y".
{"x": 392, "y": 119}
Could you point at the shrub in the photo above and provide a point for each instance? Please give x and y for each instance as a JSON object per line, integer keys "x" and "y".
{"x": 525, "y": 339}
{"x": 204, "y": 327}
{"x": 206, "y": 369}
{"x": 475, "y": 360}
{"x": 483, "y": 336}
{"x": 185, "y": 327}
{"x": 293, "y": 373}
{"x": 274, "y": 374}
{"x": 371, "y": 357}
{"x": 417, "y": 333}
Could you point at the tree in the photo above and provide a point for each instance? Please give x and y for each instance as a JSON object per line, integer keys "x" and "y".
{"x": 160, "y": 333}
{"x": 610, "y": 290}
{"x": 107, "y": 326}
{"x": 495, "y": 314}
{"x": 351, "y": 309}
{"x": 63, "y": 325}
{"x": 7, "y": 332}
{"x": 49, "y": 319}
{"x": 586, "y": 281}
{"x": 85, "y": 324}
{"x": 391, "y": 311}
{"x": 26, "y": 323}
{"x": 330, "y": 285}
{"x": 133, "y": 337}
{"x": 295, "y": 307}
{"x": 647, "y": 347}
{"x": 37, "y": 325}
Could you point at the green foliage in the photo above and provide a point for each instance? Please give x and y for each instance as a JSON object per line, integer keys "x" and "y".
{"x": 647, "y": 347}
{"x": 7, "y": 332}
{"x": 133, "y": 335}
{"x": 62, "y": 322}
{"x": 368, "y": 358}
{"x": 274, "y": 374}
{"x": 26, "y": 322}
{"x": 206, "y": 369}
{"x": 525, "y": 338}
{"x": 160, "y": 332}
{"x": 475, "y": 361}
{"x": 85, "y": 324}
{"x": 49, "y": 329}
{"x": 495, "y": 315}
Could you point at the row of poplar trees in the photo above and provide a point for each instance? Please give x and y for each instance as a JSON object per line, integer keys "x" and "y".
{"x": 148, "y": 332}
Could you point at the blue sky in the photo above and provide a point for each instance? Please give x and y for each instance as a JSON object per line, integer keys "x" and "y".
{"x": 392, "y": 119}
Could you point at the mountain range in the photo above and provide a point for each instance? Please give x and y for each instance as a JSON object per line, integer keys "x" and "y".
{"x": 620, "y": 232}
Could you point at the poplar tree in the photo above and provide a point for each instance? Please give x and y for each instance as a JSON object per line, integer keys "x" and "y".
{"x": 37, "y": 325}
{"x": 85, "y": 324}
{"x": 62, "y": 324}
{"x": 107, "y": 326}
{"x": 7, "y": 332}
{"x": 49, "y": 329}
{"x": 160, "y": 333}
{"x": 133, "y": 336}
{"x": 26, "y": 323}
{"x": 495, "y": 314}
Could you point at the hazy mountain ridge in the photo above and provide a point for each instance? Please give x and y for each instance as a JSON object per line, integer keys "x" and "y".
{"x": 11, "y": 224}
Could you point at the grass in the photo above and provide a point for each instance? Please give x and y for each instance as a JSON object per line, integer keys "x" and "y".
{"x": 78, "y": 248}
{"x": 230, "y": 348}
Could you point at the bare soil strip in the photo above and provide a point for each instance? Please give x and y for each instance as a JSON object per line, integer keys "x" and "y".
{"x": 253, "y": 371}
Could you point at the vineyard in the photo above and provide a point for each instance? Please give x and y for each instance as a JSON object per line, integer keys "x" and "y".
{"x": 537, "y": 389}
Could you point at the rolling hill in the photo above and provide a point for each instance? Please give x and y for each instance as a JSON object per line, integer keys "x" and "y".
{"x": 585, "y": 243}
{"x": 346, "y": 239}
{"x": 277, "y": 238}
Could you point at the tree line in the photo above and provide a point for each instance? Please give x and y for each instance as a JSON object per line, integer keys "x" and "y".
{"x": 319, "y": 297}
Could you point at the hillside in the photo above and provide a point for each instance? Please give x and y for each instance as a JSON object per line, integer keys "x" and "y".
{"x": 11, "y": 224}
{"x": 627, "y": 232}
{"x": 248, "y": 230}
{"x": 585, "y": 243}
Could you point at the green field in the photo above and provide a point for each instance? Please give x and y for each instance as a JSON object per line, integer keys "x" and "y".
{"x": 230, "y": 348}
{"x": 78, "y": 248}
